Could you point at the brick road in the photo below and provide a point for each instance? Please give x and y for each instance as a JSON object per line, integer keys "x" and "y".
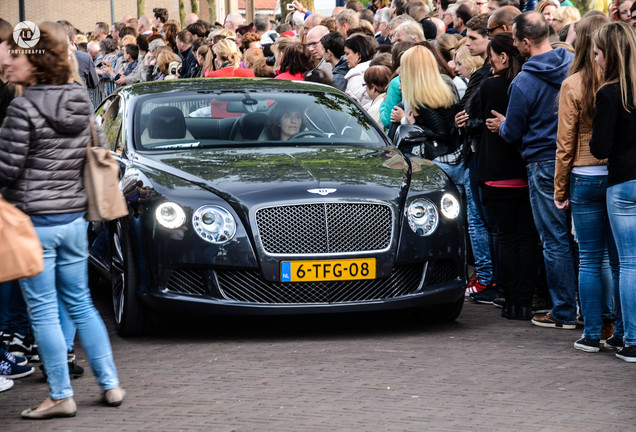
{"x": 349, "y": 373}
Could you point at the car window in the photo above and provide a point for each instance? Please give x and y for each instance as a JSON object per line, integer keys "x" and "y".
{"x": 225, "y": 119}
{"x": 110, "y": 117}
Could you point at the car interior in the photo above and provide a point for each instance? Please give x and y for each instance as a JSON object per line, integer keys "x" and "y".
{"x": 179, "y": 122}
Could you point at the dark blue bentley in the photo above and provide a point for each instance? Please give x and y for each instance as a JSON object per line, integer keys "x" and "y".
{"x": 270, "y": 197}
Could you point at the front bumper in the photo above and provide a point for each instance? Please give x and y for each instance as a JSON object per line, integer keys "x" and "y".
{"x": 208, "y": 291}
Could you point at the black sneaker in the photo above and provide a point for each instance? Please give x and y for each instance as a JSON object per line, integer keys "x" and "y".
{"x": 614, "y": 342}
{"x": 23, "y": 346}
{"x": 499, "y": 302}
{"x": 74, "y": 370}
{"x": 587, "y": 345}
{"x": 627, "y": 353}
{"x": 486, "y": 296}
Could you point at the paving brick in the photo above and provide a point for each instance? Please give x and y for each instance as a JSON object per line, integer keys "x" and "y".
{"x": 349, "y": 373}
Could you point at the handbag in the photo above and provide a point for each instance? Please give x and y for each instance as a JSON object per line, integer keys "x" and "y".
{"x": 101, "y": 181}
{"x": 21, "y": 253}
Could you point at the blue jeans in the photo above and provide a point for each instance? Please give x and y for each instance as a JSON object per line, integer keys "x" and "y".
{"x": 65, "y": 276}
{"x": 621, "y": 207}
{"x": 13, "y": 313}
{"x": 455, "y": 172}
{"x": 589, "y": 213}
{"x": 481, "y": 229}
{"x": 554, "y": 231}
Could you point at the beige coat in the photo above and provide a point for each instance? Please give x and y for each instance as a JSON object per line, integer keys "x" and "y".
{"x": 573, "y": 136}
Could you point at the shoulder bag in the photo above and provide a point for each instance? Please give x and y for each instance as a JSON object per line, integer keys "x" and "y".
{"x": 101, "y": 181}
{"x": 21, "y": 253}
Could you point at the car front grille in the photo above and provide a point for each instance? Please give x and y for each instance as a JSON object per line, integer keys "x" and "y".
{"x": 324, "y": 228}
{"x": 250, "y": 287}
{"x": 247, "y": 286}
{"x": 187, "y": 281}
{"x": 441, "y": 271}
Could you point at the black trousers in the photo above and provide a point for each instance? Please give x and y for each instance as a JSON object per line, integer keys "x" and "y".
{"x": 519, "y": 246}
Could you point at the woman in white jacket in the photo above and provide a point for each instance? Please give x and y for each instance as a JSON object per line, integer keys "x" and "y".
{"x": 376, "y": 79}
{"x": 358, "y": 52}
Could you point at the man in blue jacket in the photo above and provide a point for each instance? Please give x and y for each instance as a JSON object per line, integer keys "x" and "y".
{"x": 532, "y": 119}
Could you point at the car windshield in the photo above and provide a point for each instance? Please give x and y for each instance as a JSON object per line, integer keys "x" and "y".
{"x": 225, "y": 119}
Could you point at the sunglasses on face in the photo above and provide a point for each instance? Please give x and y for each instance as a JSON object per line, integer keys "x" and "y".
{"x": 490, "y": 31}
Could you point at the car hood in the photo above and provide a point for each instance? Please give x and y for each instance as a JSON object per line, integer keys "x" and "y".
{"x": 253, "y": 175}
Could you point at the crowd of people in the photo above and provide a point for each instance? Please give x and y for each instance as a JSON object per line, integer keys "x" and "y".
{"x": 531, "y": 109}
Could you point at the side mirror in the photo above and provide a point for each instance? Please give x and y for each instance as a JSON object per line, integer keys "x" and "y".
{"x": 410, "y": 139}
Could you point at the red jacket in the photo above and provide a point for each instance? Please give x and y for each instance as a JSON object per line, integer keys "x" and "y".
{"x": 230, "y": 71}
{"x": 288, "y": 76}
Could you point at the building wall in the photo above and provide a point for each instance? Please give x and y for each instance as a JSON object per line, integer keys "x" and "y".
{"x": 84, "y": 14}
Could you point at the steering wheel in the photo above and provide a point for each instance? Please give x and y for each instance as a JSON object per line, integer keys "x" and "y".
{"x": 346, "y": 130}
{"x": 305, "y": 134}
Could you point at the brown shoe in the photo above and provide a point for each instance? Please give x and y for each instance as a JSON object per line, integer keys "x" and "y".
{"x": 548, "y": 321}
{"x": 114, "y": 396}
{"x": 66, "y": 408}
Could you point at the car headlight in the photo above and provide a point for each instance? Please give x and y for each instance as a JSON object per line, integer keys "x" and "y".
{"x": 449, "y": 206}
{"x": 170, "y": 215}
{"x": 214, "y": 224}
{"x": 422, "y": 216}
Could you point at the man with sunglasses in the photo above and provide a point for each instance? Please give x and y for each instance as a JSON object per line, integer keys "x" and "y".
{"x": 501, "y": 20}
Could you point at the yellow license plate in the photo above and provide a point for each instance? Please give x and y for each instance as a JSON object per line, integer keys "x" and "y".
{"x": 327, "y": 270}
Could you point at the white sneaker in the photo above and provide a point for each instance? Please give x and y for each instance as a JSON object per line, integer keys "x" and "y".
{"x": 5, "y": 384}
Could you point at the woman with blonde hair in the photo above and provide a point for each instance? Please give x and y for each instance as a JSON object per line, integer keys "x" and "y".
{"x": 228, "y": 61}
{"x": 465, "y": 66}
{"x": 168, "y": 64}
{"x": 223, "y": 34}
{"x": 547, "y": 9}
{"x": 430, "y": 101}
{"x": 563, "y": 16}
{"x": 447, "y": 45}
{"x": 613, "y": 132}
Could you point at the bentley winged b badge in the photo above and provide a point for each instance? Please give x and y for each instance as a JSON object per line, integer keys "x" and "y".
{"x": 321, "y": 191}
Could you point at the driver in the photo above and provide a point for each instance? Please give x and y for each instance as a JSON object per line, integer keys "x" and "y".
{"x": 285, "y": 122}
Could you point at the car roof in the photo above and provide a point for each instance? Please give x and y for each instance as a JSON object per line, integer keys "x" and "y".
{"x": 224, "y": 84}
